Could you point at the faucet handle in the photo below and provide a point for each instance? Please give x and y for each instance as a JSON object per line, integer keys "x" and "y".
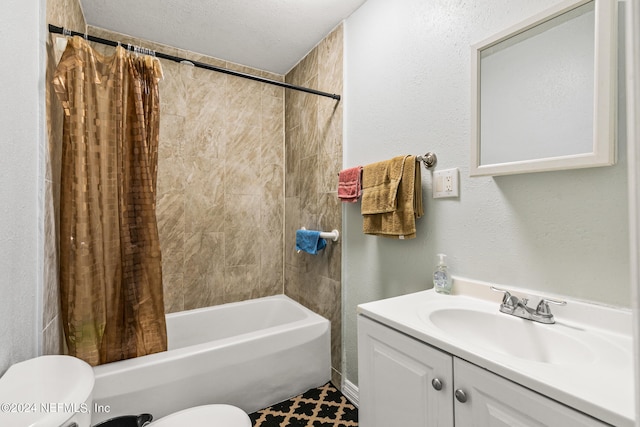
{"x": 543, "y": 305}
{"x": 508, "y": 299}
{"x": 504, "y": 291}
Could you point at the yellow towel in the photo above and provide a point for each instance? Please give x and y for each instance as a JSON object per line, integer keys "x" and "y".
{"x": 380, "y": 183}
{"x": 401, "y": 222}
{"x": 418, "y": 208}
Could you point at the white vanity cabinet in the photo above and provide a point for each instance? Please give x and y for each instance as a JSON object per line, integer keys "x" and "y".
{"x": 405, "y": 382}
{"x": 395, "y": 379}
{"x": 495, "y": 401}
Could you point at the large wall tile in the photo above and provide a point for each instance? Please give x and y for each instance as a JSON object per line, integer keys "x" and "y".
{"x": 66, "y": 13}
{"x": 271, "y": 262}
{"x": 204, "y": 193}
{"x": 308, "y": 178}
{"x": 308, "y": 144}
{"x": 305, "y": 69}
{"x": 241, "y": 283}
{"x": 243, "y": 143}
{"x": 174, "y": 97}
{"x": 172, "y": 129}
{"x": 330, "y": 62}
{"x": 313, "y": 159}
{"x": 292, "y": 222}
{"x": 272, "y": 198}
{"x": 245, "y": 101}
{"x": 242, "y": 230}
{"x": 173, "y": 292}
{"x": 292, "y": 162}
{"x": 170, "y": 217}
{"x": 203, "y": 269}
{"x": 242, "y": 212}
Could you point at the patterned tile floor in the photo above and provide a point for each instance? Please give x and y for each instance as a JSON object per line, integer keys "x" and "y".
{"x": 319, "y": 407}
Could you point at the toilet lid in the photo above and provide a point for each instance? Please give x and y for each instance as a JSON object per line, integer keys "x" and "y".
{"x": 216, "y": 415}
{"x": 45, "y": 391}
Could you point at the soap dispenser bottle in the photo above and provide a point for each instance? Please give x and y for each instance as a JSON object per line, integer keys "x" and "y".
{"x": 441, "y": 278}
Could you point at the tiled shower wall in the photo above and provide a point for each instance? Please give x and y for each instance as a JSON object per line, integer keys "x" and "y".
{"x": 221, "y": 182}
{"x": 220, "y": 203}
{"x": 313, "y": 160}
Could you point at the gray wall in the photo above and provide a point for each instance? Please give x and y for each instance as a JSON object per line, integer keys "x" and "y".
{"x": 21, "y": 148}
{"x": 407, "y": 81}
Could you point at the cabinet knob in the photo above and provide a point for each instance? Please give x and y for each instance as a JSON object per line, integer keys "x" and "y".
{"x": 461, "y": 395}
{"x": 437, "y": 384}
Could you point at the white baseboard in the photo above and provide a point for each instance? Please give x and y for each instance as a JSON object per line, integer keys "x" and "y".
{"x": 350, "y": 391}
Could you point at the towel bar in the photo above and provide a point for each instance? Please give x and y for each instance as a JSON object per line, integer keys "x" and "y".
{"x": 429, "y": 160}
{"x": 333, "y": 234}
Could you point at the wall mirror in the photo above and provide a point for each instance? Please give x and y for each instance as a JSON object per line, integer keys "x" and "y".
{"x": 544, "y": 92}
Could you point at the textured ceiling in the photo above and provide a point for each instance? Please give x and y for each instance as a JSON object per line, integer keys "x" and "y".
{"x": 271, "y": 35}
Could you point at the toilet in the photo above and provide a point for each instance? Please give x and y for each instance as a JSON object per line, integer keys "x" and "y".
{"x": 47, "y": 391}
{"x": 57, "y": 391}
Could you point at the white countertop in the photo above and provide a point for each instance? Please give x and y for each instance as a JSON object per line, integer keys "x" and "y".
{"x": 600, "y": 385}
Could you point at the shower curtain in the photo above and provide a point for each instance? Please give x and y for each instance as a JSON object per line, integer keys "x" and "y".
{"x": 110, "y": 274}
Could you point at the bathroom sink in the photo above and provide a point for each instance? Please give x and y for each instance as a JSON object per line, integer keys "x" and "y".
{"x": 513, "y": 336}
{"x": 584, "y": 359}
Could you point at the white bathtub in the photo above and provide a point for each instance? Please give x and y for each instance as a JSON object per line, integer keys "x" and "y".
{"x": 250, "y": 354}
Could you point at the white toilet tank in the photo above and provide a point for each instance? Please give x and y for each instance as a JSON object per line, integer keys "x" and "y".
{"x": 48, "y": 391}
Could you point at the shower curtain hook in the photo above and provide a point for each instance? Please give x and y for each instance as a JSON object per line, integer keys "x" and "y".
{"x": 66, "y": 32}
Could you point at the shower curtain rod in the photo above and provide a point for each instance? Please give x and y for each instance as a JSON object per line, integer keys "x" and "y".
{"x": 61, "y": 30}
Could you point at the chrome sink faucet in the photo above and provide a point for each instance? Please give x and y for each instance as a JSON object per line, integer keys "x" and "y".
{"x": 518, "y": 307}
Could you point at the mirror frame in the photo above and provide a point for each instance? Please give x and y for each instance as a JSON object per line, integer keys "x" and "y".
{"x": 605, "y": 94}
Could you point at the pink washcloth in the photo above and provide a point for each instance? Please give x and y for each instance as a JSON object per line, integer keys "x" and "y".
{"x": 350, "y": 184}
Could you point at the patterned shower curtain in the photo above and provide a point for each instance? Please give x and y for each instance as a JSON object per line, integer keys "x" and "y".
{"x": 110, "y": 272}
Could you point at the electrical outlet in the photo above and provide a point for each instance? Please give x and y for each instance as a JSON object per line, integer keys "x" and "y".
{"x": 446, "y": 183}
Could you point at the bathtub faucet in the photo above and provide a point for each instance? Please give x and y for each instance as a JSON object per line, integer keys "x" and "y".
{"x": 518, "y": 307}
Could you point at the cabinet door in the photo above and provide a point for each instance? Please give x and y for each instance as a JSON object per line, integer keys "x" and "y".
{"x": 497, "y": 402}
{"x": 395, "y": 380}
